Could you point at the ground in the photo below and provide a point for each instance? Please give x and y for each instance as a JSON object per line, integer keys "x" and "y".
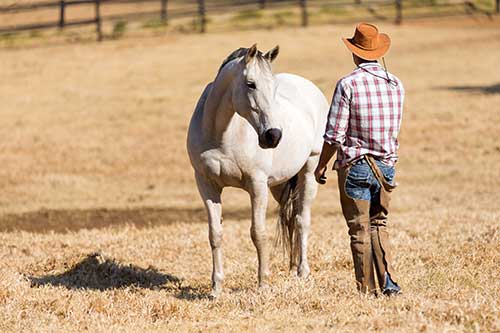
{"x": 102, "y": 228}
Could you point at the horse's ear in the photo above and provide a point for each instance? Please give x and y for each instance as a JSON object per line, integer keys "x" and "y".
{"x": 251, "y": 53}
{"x": 272, "y": 54}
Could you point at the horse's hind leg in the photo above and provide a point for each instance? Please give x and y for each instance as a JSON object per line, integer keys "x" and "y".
{"x": 307, "y": 188}
{"x": 211, "y": 195}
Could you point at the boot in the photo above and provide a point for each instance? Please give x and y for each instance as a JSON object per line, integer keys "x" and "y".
{"x": 390, "y": 287}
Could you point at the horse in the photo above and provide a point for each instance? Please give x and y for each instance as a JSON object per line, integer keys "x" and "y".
{"x": 254, "y": 130}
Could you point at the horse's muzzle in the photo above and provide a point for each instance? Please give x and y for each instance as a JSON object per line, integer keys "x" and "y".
{"x": 270, "y": 138}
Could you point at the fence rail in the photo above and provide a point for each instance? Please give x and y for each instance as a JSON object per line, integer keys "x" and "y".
{"x": 199, "y": 9}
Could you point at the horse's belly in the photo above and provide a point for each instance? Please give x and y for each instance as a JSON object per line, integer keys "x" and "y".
{"x": 288, "y": 160}
{"x": 283, "y": 175}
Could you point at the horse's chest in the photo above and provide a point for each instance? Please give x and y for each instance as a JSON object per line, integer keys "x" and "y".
{"x": 221, "y": 168}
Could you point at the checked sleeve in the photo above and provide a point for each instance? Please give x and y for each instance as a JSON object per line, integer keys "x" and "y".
{"x": 338, "y": 117}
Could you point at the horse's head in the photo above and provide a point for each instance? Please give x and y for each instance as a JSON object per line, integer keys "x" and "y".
{"x": 253, "y": 94}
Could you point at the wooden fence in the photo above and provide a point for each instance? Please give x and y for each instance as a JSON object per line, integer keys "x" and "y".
{"x": 199, "y": 9}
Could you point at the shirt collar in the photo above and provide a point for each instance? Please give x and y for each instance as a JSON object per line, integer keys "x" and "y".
{"x": 370, "y": 64}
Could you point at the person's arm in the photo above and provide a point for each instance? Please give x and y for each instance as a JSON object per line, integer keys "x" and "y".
{"x": 327, "y": 153}
{"x": 336, "y": 128}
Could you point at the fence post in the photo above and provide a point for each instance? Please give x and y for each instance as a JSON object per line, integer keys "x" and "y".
{"x": 163, "y": 12}
{"x": 61, "y": 13}
{"x": 305, "y": 18}
{"x": 399, "y": 12}
{"x": 98, "y": 19}
{"x": 202, "y": 13}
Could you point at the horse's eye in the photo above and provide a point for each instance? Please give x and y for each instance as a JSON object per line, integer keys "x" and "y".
{"x": 251, "y": 85}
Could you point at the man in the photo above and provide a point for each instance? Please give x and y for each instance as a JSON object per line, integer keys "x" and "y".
{"x": 363, "y": 125}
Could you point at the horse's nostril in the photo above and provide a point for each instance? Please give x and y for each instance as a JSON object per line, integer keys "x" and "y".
{"x": 273, "y": 137}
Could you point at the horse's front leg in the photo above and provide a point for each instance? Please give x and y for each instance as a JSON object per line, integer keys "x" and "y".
{"x": 211, "y": 195}
{"x": 259, "y": 196}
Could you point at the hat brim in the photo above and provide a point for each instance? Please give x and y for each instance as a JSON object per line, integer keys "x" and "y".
{"x": 385, "y": 43}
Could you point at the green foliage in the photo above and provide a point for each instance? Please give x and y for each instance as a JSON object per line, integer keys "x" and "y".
{"x": 282, "y": 17}
{"x": 332, "y": 10}
{"x": 247, "y": 15}
{"x": 9, "y": 39}
{"x": 119, "y": 29}
{"x": 156, "y": 23}
{"x": 485, "y": 4}
{"x": 35, "y": 34}
{"x": 196, "y": 22}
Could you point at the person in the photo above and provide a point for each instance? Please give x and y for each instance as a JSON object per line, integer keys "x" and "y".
{"x": 363, "y": 125}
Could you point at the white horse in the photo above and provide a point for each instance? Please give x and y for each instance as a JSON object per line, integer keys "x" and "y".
{"x": 252, "y": 129}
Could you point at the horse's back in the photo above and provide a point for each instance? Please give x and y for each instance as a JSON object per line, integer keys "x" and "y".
{"x": 295, "y": 86}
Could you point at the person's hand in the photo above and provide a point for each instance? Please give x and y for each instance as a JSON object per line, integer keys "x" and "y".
{"x": 320, "y": 175}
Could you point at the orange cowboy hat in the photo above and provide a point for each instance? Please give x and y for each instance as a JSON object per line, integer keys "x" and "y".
{"x": 367, "y": 42}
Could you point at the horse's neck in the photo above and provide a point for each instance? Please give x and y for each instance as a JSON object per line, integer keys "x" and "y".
{"x": 218, "y": 112}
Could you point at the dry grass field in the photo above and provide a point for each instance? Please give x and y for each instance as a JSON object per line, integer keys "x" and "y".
{"x": 102, "y": 229}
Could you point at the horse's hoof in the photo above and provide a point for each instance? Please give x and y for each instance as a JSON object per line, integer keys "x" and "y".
{"x": 264, "y": 282}
{"x": 214, "y": 294}
{"x": 303, "y": 272}
{"x": 263, "y": 285}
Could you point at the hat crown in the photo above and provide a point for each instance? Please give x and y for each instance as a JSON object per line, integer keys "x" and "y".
{"x": 366, "y": 36}
{"x": 367, "y": 43}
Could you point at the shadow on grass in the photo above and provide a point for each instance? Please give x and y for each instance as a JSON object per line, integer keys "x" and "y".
{"x": 99, "y": 273}
{"x": 488, "y": 89}
{"x": 65, "y": 220}
{"x": 95, "y": 272}
{"x": 192, "y": 293}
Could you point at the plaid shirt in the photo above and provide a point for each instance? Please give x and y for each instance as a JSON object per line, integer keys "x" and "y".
{"x": 365, "y": 115}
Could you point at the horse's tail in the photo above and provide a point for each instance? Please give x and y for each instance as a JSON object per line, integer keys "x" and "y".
{"x": 286, "y": 235}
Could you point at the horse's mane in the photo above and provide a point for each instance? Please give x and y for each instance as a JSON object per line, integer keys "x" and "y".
{"x": 236, "y": 54}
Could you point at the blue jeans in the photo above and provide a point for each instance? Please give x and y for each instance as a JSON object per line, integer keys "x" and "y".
{"x": 361, "y": 183}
